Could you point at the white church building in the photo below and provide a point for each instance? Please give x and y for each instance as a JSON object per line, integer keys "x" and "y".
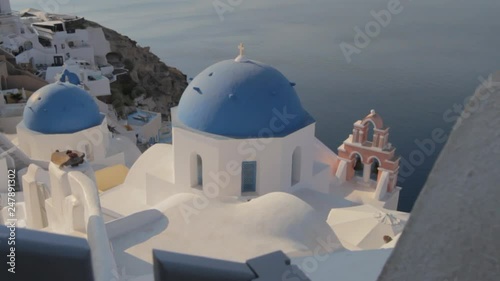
{"x": 241, "y": 122}
{"x": 239, "y": 131}
{"x": 63, "y": 116}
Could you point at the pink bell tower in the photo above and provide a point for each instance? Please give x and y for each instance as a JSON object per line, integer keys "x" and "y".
{"x": 358, "y": 147}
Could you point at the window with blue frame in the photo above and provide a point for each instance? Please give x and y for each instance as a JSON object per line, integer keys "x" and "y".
{"x": 249, "y": 176}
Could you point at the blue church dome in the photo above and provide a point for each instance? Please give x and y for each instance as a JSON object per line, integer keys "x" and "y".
{"x": 61, "y": 108}
{"x": 242, "y": 99}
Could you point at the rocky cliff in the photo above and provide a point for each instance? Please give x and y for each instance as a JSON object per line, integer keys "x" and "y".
{"x": 149, "y": 84}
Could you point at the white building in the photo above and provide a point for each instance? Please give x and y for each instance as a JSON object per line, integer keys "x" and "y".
{"x": 42, "y": 40}
{"x": 61, "y": 44}
{"x": 96, "y": 80}
{"x": 146, "y": 125}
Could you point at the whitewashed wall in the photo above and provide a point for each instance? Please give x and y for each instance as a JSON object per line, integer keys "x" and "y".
{"x": 222, "y": 158}
{"x": 40, "y": 146}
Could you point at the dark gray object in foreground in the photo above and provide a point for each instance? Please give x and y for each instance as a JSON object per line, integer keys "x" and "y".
{"x": 170, "y": 266}
{"x": 454, "y": 231}
{"x": 44, "y": 256}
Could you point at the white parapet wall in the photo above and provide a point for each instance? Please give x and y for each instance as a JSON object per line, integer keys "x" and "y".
{"x": 85, "y": 192}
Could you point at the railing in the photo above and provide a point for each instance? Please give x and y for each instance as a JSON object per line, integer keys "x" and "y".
{"x": 44, "y": 32}
{"x": 103, "y": 261}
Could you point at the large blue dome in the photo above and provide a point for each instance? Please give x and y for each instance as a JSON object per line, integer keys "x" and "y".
{"x": 245, "y": 99}
{"x": 61, "y": 108}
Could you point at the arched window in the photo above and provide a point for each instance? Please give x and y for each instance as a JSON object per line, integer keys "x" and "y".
{"x": 370, "y": 133}
{"x": 296, "y": 165}
{"x": 358, "y": 165}
{"x": 374, "y": 169}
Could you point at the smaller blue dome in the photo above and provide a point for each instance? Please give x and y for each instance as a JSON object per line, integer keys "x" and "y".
{"x": 68, "y": 76}
{"x": 61, "y": 108}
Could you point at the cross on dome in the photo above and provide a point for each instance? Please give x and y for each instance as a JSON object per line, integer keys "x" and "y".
{"x": 242, "y": 49}
{"x": 241, "y": 57}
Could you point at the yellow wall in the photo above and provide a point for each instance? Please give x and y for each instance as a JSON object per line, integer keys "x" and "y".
{"x": 110, "y": 177}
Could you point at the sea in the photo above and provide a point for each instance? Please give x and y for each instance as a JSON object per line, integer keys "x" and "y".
{"x": 415, "y": 62}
